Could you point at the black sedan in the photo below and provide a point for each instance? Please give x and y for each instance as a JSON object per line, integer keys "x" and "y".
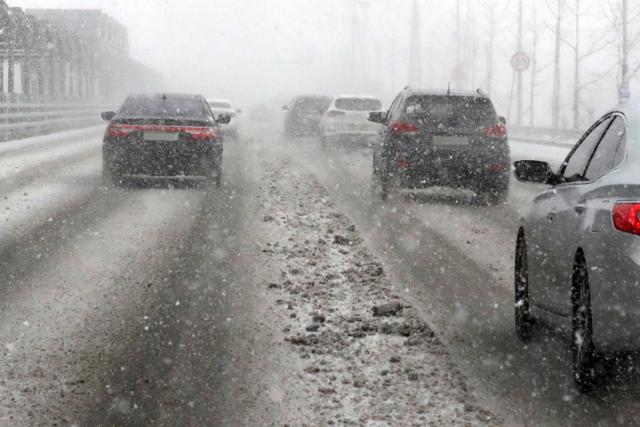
{"x": 174, "y": 135}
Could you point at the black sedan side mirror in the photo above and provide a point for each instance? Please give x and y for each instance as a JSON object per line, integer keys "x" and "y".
{"x": 224, "y": 119}
{"x": 535, "y": 172}
{"x": 108, "y": 115}
{"x": 502, "y": 120}
{"x": 378, "y": 117}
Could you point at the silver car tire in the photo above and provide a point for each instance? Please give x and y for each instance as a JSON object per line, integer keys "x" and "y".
{"x": 522, "y": 312}
{"x": 582, "y": 348}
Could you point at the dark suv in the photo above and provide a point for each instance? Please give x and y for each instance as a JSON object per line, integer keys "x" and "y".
{"x": 304, "y": 114}
{"x": 163, "y": 135}
{"x": 442, "y": 139}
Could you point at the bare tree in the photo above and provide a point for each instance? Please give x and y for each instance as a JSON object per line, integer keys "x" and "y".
{"x": 557, "y": 9}
{"x": 600, "y": 43}
{"x": 495, "y": 11}
{"x": 534, "y": 63}
{"x": 621, "y": 17}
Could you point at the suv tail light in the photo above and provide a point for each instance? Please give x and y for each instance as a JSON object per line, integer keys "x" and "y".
{"x": 335, "y": 113}
{"x": 498, "y": 131}
{"x": 497, "y": 167}
{"x": 404, "y": 128}
{"x": 625, "y": 217}
{"x": 202, "y": 134}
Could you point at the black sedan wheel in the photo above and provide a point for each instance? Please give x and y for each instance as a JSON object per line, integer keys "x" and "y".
{"x": 583, "y": 349}
{"x": 523, "y": 318}
{"x": 110, "y": 174}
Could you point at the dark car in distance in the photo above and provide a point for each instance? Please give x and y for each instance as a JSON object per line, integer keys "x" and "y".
{"x": 168, "y": 135}
{"x": 304, "y": 114}
{"x": 451, "y": 139}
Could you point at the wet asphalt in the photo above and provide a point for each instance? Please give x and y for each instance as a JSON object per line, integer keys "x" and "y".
{"x": 145, "y": 292}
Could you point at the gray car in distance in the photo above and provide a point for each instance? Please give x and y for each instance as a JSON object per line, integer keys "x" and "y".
{"x": 578, "y": 246}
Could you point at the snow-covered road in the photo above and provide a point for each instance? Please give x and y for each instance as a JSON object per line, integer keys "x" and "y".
{"x": 180, "y": 304}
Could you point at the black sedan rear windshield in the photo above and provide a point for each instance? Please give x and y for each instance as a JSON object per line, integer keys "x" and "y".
{"x": 164, "y": 107}
{"x": 454, "y": 111}
{"x": 358, "y": 104}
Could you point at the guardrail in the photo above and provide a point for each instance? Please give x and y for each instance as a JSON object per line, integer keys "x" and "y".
{"x": 545, "y": 135}
{"x": 22, "y": 120}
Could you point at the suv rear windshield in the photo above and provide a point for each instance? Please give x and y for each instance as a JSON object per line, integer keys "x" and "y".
{"x": 312, "y": 105}
{"x": 358, "y": 104}
{"x": 451, "y": 111}
{"x": 164, "y": 107}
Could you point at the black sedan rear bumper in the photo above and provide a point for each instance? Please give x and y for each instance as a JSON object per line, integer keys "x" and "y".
{"x": 157, "y": 158}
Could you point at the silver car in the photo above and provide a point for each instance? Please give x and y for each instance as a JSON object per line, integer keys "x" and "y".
{"x": 578, "y": 246}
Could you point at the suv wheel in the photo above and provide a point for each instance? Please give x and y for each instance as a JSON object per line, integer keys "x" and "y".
{"x": 380, "y": 181}
{"x": 583, "y": 350}
{"x": 493, "y": 197}
{"x": 523, "y": 318}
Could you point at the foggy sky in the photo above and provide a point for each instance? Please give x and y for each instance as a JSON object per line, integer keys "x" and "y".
{"x": 270, "y": 50}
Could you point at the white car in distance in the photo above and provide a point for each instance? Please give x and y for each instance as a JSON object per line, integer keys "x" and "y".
{"x": 224, "y": 107}
{"x": 346, "y": 122}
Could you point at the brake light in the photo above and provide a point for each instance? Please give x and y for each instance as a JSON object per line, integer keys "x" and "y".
{"x": 121, "y": 131}
{"x": 625, "y": 217}
{"x": 404, "y": 128}
{"x": 498, "y": 131}
{"x": 497, "y": 167}
{"x": 335, "y": 113}
{"x": 403, "y": 164}
{"x": 198, "y": 133}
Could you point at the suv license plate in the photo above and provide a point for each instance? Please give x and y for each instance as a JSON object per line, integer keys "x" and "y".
{"x": 451, "y": 140}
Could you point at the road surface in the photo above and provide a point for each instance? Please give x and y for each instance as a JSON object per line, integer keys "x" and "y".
{"x": 180, "y": 304}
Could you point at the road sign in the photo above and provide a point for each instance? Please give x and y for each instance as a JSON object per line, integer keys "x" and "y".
{"x": 520, "y": 61}
{"x": 624, "y": 95}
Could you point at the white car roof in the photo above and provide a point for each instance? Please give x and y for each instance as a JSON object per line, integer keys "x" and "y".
{"x": 358, "y": 96}
{"x": 226, "y": 101}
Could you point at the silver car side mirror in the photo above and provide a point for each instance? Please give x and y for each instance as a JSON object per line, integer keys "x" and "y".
{"x": 534, "y": 171}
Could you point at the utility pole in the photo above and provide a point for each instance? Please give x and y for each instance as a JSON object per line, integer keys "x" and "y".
{"x": 576, "y": 71}
{"x": 623, "y": 92}
{"x": 457, "y": 32}
{"x": 358, "y": 60}
{"x": 490, "y": 42}
{"x": 458, "y": 58}
{"x": 555, "y": 98}
{"x": 534, "y": 68}
{"x": 415, "y": 61}
{"x": 519, "y": 75}
{"x": 354, "y": 41}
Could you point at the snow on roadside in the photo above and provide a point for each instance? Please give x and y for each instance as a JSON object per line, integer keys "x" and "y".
{"x": 53, "y": 139}
{"x": 359, "y": 369}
